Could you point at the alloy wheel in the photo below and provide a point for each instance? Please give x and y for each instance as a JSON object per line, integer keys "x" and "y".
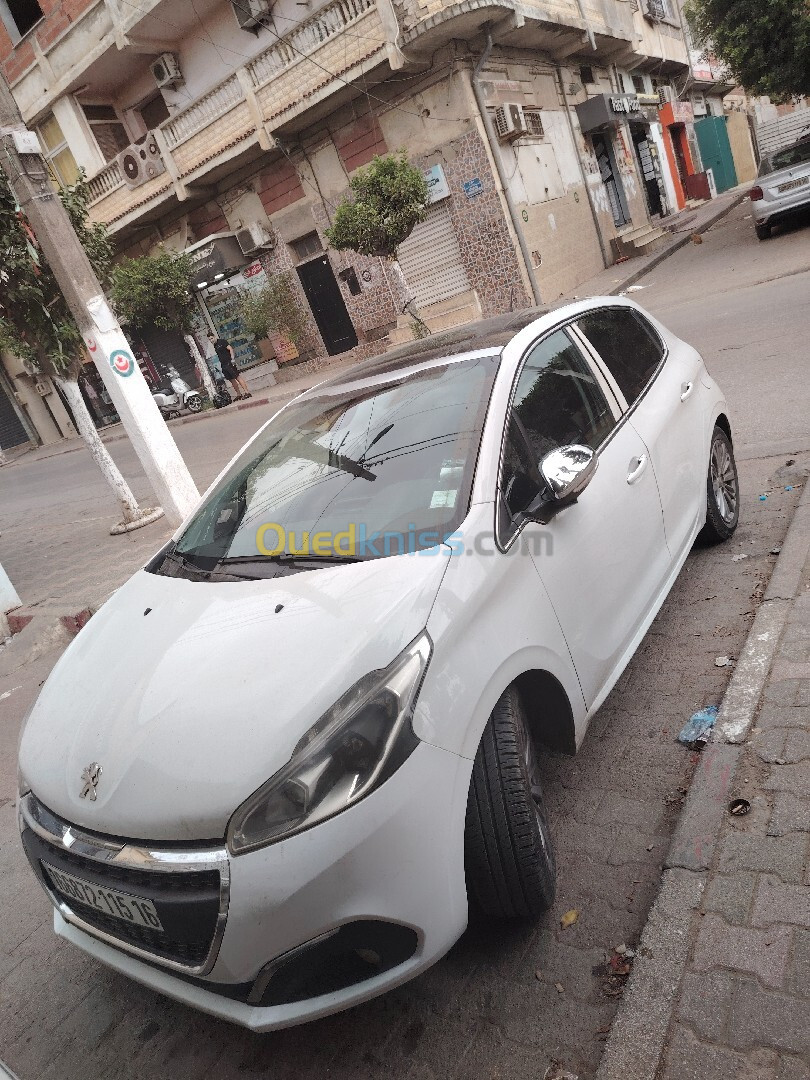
{"x": 724, "y": 481}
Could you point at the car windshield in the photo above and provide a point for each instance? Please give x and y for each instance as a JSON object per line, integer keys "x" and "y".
{"x": 377, "y": 467}
{"x": 799, "y": 154}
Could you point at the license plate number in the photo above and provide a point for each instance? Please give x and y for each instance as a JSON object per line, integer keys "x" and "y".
{"x": 120, "y": 905}
{"x": 791, "y": 184}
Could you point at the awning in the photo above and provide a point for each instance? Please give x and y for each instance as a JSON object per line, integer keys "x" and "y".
{"x": 608, "y": 110}
{"x": 213, "y": 258}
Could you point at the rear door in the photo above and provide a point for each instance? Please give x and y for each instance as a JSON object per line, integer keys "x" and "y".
{"x": 603, "y": 560}
{"x": 660, "y": 389}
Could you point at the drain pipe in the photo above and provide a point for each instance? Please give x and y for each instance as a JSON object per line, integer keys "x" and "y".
{"x": 495, "y": 151}
{"x": 567, "y": 109}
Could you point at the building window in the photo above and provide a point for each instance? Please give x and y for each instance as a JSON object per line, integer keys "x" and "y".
{"x": 154, "y": 112}
{"x": 638, "y": 84}
{"x": 586, "y": 76}
{"x": 57, "y": 153}
{"x": 307, "y": 246}
{"x": 19, "y": 16}
{"x": 109, "y": 132}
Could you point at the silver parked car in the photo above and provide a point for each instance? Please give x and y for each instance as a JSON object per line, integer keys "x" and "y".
{"x": 784, "y": 186}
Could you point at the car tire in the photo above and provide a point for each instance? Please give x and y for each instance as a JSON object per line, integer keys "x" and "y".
{"x": 722, "y": 491}
{"x": 762, "y": 231}
{"x": 509, "y": 857}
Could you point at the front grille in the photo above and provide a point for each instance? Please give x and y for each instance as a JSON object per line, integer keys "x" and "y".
{"x": 187, "y": 901}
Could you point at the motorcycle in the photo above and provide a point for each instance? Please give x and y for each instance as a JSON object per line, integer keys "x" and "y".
{"x": 176, "y": 398}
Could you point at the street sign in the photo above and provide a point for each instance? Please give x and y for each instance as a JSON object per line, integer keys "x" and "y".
{"x": 473, "y": 187}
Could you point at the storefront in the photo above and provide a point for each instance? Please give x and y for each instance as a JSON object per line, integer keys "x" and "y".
{"x": 629, "y": 118}
{"x": 221, "y": 275}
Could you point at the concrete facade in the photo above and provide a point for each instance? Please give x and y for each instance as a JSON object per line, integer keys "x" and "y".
{"x": 267, "y": 127}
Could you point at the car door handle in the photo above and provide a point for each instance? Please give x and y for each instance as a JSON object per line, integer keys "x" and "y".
{"x": 637, "y": 467}
{"x": 686, "y": 390}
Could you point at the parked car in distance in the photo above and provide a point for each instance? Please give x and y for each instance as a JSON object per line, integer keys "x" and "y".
{"x": 783, "y": 186}
{"x": 275, "y": 770}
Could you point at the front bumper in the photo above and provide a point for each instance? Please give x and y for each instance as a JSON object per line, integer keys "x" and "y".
{"x": 324, "y": 920}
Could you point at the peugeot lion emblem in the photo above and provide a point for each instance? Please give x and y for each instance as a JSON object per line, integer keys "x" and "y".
{"x": 90, "y": 778}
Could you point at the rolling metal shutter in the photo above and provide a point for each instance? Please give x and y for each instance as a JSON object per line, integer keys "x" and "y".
{"x": 12, "y": 433}
{"x": 431, "y": 259}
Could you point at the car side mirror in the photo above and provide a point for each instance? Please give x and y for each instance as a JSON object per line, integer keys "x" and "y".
{"x": 566, "y": 472}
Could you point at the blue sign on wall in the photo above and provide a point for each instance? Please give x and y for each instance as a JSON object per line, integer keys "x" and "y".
{"x": 473, "y": 187}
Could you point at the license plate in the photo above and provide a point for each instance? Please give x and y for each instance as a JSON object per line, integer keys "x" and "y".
{"x": 791, "y": 184}
{"x": 121, "y": 905}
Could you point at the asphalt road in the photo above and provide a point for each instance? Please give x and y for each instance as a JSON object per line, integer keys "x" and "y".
{"x": 507, "y": 1001}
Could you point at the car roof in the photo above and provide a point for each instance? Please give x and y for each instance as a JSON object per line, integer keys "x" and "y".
{"x": 485, "y": 335}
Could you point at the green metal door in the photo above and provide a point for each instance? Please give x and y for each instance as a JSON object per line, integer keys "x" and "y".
{"x": 715, "y": 151}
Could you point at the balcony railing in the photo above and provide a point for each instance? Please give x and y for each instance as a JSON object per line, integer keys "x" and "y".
{"x": 306, "y": 38}
{"x": 272, "y": 84}
{"x": 203, "y": 111}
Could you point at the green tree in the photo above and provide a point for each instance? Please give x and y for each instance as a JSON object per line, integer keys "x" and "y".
{"x": 36, "y": 324}
{"x": 275, "y": 308}
{"x": 387, "y": 199}
{"x": 154, "y": 290}
{"x": 765, "y": 46}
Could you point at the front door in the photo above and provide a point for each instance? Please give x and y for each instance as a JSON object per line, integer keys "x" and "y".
{"x": 608, "y": 172}
{"x": 605, "y": 558}
{"x": 326, "y": 301}
{"x": 646, "y": 164}
{"x": 715, "y": 151}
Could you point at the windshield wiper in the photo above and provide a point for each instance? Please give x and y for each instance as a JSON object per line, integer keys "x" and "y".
{"x": 287, "y": 557}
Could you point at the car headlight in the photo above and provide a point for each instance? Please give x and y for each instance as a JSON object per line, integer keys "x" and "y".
{"x": 350, "y": 751}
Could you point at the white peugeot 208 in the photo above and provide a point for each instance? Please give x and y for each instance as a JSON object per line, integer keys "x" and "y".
{"x": 271, "y": 775}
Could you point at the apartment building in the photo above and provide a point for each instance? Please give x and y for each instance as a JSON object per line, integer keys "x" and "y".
{"x": 550, "y": 131}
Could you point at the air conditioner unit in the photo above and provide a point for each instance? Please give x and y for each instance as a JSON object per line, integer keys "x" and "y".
{"x": 510, "y": 121}
{"x": 141, "y": 161}
{"x": 255, "y": 237}
{"x": 656, "y": 10}
{"x": 665, "y": 94}
{"x": 43, "y": 388}
{"x": 31, "y": 367}
{"x": 166, "y": 70}
{"x": 251, "y": 13}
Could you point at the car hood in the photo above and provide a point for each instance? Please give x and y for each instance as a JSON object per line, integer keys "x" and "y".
{"x": 191, "y": 707}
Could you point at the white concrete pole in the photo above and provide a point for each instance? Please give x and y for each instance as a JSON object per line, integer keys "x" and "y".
{"x": 133, "y": 401}
{"x": 28, "y": 178}
{"x": 8, "y": 594}
{"x": 202, "y": 366}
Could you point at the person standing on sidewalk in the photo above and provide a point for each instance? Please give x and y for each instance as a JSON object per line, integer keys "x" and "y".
{"x": 227, "y": 362}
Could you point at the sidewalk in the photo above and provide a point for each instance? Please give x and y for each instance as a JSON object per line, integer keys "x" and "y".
{"x": 721, "y": 985}
{"x": 682, "y": 226}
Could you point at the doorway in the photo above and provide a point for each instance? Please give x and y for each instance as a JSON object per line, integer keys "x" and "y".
{"x": 610, "y": 178}
{"x": 646, "y": 164}
{"x": 328, "y": 308}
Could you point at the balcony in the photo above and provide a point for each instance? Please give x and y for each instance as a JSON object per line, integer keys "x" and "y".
{"x": 339, "y": 43}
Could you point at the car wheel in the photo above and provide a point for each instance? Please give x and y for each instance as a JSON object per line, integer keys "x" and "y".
{"x": 722, "y": 490}
{"x": 509, "y": 858}
{"x": 762, "y": 231}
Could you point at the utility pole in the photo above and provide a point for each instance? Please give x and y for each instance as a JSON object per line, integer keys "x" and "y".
{"x": 27, "y": 174}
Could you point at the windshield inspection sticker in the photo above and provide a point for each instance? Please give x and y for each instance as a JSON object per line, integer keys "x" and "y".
{"x": 443, "y": 498}
{"x": 452, "y": 469}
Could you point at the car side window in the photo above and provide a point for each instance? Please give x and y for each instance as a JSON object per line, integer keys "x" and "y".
{"x": 557, "y": 402}
{"x": 627, "y": 344}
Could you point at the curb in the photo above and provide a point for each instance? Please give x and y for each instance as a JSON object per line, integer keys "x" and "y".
{"x": 676, "y": 245}
{"x": 637, "y": 1038}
